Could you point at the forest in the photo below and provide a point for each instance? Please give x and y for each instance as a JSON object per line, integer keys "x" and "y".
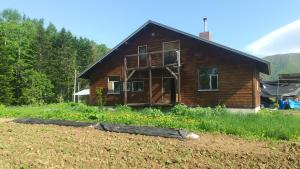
{"x": 38, "y": 62}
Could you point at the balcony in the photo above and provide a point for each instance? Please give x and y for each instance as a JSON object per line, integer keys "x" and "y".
{"x": 156, "y": 59}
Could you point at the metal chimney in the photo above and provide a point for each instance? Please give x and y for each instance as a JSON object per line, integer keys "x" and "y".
{"x": 205, "y": 24}
{"x": 205, "y": 34}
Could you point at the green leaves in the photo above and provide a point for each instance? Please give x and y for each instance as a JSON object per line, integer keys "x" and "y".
{"x": 274, "y": 125}
{"x": 29, "y": 50}
{"x": 37, "y": 88}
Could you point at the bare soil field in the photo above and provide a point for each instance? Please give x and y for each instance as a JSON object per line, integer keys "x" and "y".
{"x": 50, "y": 146}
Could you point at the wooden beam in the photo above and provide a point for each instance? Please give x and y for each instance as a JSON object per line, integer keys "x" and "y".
{"x": 172, "y": 73}
{"x": 150, "y": 81}
{"x": 149, "y": 53}
{"x": 178, "y": 79}
{"x": 125, "y": 81}
{"x": 152, "y": 67}
{"x": 130, "y": 75}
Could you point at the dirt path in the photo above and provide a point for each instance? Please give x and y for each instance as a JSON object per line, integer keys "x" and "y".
{"x": 49, "y": 146}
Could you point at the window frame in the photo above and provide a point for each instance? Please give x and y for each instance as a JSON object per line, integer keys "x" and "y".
{"x": 113, "y": 93}
{"x": 210, "y": 79}
{"x": 137, "y": 81}
{"x": 163, "y": 48}
{"x": 140, "y": 54}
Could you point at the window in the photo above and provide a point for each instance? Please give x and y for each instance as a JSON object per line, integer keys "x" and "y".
{"x": 114, "y": 86}
{"x": 208, "y": 79}
{"x": 169, "y": 51}
{"x": 142, "y": 52}
{"x": 138, "y": 86}
{"x": 129, "y": 86}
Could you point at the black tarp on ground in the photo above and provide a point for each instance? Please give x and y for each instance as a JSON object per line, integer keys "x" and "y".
{"x": 119, "y": 128}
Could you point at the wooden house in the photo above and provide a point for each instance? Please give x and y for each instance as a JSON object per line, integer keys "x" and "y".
{"x": 160, "y": 65}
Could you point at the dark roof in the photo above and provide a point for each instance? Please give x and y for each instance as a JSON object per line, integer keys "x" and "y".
{"x": 265, "y": 68}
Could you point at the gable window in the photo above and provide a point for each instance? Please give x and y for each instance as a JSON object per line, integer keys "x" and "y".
{"x": 114, "y": 85}
{"x": 138, "y": 86}
{"x": 207, "y": 79}
{"x": 142, "y": 55}
{"x": 170, "y": 51}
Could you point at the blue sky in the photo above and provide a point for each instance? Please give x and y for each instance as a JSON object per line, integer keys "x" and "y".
{"x": 235, "y": 23}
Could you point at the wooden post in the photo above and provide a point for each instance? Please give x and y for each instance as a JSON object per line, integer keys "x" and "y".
{"x": 178, "y": 79}
{"x": 78, "y": 89}
{"x": 150, "y": 81}
{"x": 125, "y": 81}
{"x": 74, "y": 89}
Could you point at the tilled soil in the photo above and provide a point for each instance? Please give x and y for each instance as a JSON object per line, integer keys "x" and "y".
{"x": 50, "y": 146}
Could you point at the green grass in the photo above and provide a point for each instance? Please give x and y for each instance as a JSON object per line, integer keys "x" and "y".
{"x": 266, "y": 124}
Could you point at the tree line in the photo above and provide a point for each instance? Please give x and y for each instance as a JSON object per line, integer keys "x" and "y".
{"x": 37, "y": 62}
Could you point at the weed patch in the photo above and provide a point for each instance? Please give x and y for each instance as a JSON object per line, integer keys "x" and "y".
{"x": 266, "y": 124}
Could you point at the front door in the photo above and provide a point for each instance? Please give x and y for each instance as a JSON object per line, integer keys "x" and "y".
{"x": 169, "y": 91}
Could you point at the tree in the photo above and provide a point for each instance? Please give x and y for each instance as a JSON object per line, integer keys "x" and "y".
{"x": 9, "y": 15}
{"x": 37, "y": 88}
{"x": 29, "y": 50}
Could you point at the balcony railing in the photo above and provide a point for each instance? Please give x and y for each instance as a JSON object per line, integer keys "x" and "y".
{"x": 154, "y": 59}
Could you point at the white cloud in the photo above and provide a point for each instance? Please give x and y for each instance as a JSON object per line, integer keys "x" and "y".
{"x": 286, "y": 39}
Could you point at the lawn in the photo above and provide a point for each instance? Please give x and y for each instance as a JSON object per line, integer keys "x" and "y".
{"x": 266, "y": 124}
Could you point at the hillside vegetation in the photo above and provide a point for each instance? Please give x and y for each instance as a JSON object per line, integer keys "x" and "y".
{"x": 37, "y": 61}
{"x": 283, "y": 63}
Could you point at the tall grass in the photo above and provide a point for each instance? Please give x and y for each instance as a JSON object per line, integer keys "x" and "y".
{"x": 264, "y": 125}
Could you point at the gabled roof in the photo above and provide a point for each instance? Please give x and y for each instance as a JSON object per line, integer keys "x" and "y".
{"x": 266, "y": 64}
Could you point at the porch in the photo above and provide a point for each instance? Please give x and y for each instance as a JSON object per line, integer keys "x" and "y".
{"x": 161, "y": 72}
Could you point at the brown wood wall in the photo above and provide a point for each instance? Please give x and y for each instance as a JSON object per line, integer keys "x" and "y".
{"x": 238, "y": 87}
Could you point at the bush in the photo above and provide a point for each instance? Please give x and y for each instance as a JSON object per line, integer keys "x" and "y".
{"x": 180, "y": 109}
{"x": 80, "y": 107}
{"x": 123, "y": 108}
{"x": 2, "y": 108}
{"x": 151, "y": 111}
{"x": 101, "y": 97}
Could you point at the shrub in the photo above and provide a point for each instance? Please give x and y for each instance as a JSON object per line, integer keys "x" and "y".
{"x": 180, "y": 109}
{"x": 2, "y": 106}
{"x": 101, "y": 97}
{"x": 152, "y": 111}
{"x": 220, "y": 109}
{"x": 82, "y": 108}
{"x": 123, "y": 108}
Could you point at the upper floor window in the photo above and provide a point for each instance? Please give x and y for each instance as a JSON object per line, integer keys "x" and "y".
{"x": 207, "y": 79}
{"x": 142, "y": 55}
{"x": 170, "y": 51}
{"x": 114, "y": 85}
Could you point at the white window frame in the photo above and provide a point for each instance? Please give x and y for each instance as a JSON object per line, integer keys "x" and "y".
{"x": 140, "y": 46}
{"x": 163, "y": 48}
{"x": 210, "y": 80}
{"x": 137, "y": 82}
{"x": 113, "y": 93}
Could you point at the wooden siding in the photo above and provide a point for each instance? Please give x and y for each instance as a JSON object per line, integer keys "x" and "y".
{"x": 237, "y": 75}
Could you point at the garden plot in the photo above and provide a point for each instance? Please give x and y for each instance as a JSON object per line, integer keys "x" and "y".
{"x": 52, "y": 146}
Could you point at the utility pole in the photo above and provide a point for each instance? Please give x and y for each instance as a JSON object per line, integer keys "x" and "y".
{"x": 78, "y": 89}
{"x": 74, "y": 97}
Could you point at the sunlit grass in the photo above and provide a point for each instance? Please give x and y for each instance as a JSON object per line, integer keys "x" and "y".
{"x": 266, "y": 124}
